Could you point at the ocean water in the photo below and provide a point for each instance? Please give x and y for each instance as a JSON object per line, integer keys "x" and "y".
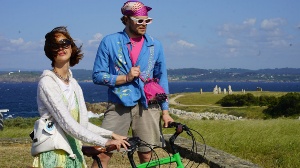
{"x": 20, "y": 98}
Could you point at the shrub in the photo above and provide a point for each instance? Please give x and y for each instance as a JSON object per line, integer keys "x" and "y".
{"x": 238, "y": 100}
{"x": 20, "y": 122}
{"x": 247, "y": 100}
{"x": 287, "y": 106}
{"x": 267, "y": 100}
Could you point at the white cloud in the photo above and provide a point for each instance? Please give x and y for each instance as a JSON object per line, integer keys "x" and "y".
{"x": 233, "y": 52}
{"x": 17, "y": 41}
{"x": 250, "y": 22}
{"x": 22, "y": 54}
{"x": 279, "y": 43}
{"x": 13, "y": 45}
{"x": 232, "y": 42}
{"x": 269, "y": 24}
{"x": 78, "y": 42}
{"x": 229, "y": 29}
{"x": 96, "y": 39}
{"x": 185, "y": 44}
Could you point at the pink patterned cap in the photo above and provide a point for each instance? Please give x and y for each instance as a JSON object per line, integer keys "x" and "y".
{"x": 135, "y": 8}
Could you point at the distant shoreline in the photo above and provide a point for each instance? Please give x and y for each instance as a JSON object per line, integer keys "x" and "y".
{"x": 174, "y": 81}
{"x": 282, "y": 75}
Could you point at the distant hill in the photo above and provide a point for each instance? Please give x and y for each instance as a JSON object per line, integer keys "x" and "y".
{"x": 235, "y": 74}
{"x": 185, "y": 74}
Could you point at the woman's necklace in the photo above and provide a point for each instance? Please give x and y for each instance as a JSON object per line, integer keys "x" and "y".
{"x": 67, "y": 79}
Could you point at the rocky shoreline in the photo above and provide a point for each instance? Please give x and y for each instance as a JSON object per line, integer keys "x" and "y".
{"x": 203, "y": 116}
{"x": 100, "y": 108}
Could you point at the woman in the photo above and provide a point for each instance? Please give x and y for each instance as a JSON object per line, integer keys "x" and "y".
{"x": 62, "y": 108}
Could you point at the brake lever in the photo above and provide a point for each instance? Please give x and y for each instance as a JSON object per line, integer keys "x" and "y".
{"x": 134, "y": 143}
{"x": 173, "y": 124}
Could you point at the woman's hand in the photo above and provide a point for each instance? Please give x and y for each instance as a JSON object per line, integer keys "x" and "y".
{"x": 118, "y": 137}
{"x": 118, "y": 141}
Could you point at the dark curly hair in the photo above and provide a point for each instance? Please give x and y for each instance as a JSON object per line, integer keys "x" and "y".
{"x": 50, "y": 39}
{"x": 123, "y": 19}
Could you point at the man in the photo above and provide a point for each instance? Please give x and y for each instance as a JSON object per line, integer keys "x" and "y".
{"x": 122, "y": 60}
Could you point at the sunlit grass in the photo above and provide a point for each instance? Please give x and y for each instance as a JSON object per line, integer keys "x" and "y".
{"x": 206, "y": 102}
{"x": 15, "y": 132}
{"x": 268, "y": 143}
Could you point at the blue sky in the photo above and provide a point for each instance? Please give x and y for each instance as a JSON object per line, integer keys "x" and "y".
{"x": 212, "y": 34}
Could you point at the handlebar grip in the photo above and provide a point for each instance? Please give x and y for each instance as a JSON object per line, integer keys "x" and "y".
{"x": 93, "y": 150}
{"x": 134, "y": 142}
{"x": 173, "y": 124}
{"x": 111, "y": 148}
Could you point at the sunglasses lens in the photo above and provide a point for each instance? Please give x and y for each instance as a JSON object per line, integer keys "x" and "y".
{"x": 148, "y": 21}
{"x": 140, "y": 21}
{"x": 64, "y": 43}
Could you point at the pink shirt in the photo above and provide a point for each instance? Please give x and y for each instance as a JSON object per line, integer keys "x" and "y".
{"x": 137, "y": 44}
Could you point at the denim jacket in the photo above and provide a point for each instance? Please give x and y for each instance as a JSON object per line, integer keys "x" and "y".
{"x": 113, "y": 59}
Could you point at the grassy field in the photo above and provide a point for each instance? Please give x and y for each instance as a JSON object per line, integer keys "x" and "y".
{"x": 18, "y": 155}
{"x": 268, "y": 143}
{"x": 206, "y": 102}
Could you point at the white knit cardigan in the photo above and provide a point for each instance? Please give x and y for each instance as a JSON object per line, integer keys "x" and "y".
{"x": 51, "y": 105}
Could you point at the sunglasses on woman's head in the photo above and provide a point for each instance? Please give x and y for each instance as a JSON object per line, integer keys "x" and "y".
{"x": 60, "y": 29}
{"x": 141, "y": 21}
{"x": 64, "y": 43}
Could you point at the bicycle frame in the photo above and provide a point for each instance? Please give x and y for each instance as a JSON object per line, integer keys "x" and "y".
{"x": 135, "y": 142}
{"x": 172, "y": 159}
{"x": 175, "y": 158}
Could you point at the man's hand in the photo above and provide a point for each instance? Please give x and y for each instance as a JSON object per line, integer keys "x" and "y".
{"x": 166, "y": 118}
{"x": 134, "y": 72}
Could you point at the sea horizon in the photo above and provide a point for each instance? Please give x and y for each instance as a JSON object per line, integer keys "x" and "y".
{"x": 20, "y": 98}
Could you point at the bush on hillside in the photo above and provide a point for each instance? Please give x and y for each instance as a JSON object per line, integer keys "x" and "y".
{"x": 247, "y": 100}
{"x": 287, "y": 106}
{"x": 238, "y": 100}
{"x": 267, "y": 100}
{"x": 20, "y": 122}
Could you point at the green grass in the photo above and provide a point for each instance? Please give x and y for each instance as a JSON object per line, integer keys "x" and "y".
{"x": 15, "y": 132}
{"x": 206, "y": 102}
{"x": 268, "y": 143}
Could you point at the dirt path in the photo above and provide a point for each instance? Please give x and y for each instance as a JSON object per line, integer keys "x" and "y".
{"x": 172, "y": 100}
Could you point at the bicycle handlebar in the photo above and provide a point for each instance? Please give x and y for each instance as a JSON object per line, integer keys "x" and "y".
{"x": 135, "y": 142}
{"x": 96, "y": 150}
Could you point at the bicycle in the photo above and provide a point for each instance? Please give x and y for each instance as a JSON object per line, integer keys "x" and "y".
{"x": 135, "y": 142}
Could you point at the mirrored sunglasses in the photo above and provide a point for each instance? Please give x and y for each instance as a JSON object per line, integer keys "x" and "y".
{"x": 141, "y": 21}
{"x": 64, "y": 43}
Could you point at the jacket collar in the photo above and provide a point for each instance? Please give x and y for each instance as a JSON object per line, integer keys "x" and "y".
{"x": 148, "y": 39}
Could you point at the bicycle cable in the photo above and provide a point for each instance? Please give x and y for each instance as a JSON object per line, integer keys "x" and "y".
{"x": 203, "y": 144}
{"x": 154, "y": 156}
{"x": 194, "y": 147}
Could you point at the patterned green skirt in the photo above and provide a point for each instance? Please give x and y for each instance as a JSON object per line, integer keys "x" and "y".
{"x": 60, "y": 158}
